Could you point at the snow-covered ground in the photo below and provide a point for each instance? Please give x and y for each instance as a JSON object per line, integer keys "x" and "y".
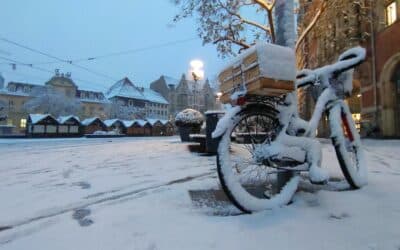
{"x": 133, "y": 193}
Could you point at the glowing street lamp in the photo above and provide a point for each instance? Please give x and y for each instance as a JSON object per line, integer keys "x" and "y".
{"x": 197, "y": 72}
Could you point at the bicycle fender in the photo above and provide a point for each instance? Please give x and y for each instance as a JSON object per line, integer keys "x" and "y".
{"x": 226, "y": 121}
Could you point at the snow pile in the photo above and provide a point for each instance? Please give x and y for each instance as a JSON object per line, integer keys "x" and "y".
{"x": 189, "y": 117}
{"x": 100, "y": 132}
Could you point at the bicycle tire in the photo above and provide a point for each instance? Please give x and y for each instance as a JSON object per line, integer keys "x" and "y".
{"x": 348, "y": 148}
{"x": 245, "y": 197}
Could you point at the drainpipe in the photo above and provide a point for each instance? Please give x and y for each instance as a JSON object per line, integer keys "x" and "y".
{"x": 373, "y": 62}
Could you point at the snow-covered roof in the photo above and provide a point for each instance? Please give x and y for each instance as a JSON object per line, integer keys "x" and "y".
{"x": 152, "y": 96}
{"x": 89, "y": 121}
{"x": 128, "y": 124}
{"x": 63, "y": 119}
{"x": 35, "y": 118}
{"x": 111, "y": 122}
{"x": 163, "y": 122}
{"x": 153, "y": 121}
{"x": 141, "y": 122}
{"x": 125, "y": 88}
{"x": 94, "y": 100}
{"x": 171, "y": 81}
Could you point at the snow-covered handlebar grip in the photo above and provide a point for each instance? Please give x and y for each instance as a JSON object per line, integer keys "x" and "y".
{"x": 349, "y": 59}
{"x": 305, "y": 77}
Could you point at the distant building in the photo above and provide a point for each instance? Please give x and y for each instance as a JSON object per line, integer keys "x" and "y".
{"x": 16, "y": 94}
{"x": 184, "y": 93}
{"x": 136, "y": 102}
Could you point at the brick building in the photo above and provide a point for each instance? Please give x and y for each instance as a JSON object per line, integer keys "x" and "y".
{"x": 343, "y": 24}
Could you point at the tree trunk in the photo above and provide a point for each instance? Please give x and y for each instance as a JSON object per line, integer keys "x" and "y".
{"x": 285, "y": 35}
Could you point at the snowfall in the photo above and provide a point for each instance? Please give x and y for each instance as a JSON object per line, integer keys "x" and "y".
{"x": 153, "y": 193}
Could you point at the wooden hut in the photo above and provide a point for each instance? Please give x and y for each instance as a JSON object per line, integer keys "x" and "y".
{"x": 115, "y": 125}
{"x": 132, "y": 128}
{"x": 41, "y": 125}
{"x": 145, "y": 127}
{"x": 91, "y": 125}
{"x": 69, "y": 126}
{"x": 156, "y": 127}
{"x": 168, "y": 128}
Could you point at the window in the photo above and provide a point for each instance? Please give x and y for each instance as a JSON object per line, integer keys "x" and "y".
{"x": 391, "y": 13}
{"x": 22, "y": 123}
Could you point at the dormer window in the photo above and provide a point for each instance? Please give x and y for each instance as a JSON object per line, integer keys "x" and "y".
{"x": 391, "y": 13}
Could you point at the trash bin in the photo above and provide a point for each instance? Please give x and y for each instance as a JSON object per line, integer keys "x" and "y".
{"x": 212, "y": 118}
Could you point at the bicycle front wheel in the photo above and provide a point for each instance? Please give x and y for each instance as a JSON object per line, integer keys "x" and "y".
{"x": 251, "y": 184}
{"x": 347, "y": 143}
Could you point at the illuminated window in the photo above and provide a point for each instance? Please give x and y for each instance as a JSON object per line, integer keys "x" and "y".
{"x": 357, "y": 120}
{"x": 391, "y": 13}
{"x": 22, "y": 123}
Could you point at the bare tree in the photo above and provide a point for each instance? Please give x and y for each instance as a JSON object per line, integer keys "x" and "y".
{"x": 117, "y": 110}
{"x": 49, "y": 101}
{"x": 230, "y": 24}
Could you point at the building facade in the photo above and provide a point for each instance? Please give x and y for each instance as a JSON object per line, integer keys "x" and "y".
{"x": 344, "y": 24}
{"x": 130, "y": 101}
{"x": 184, "y": 93}
{"x": 20, "y": 99}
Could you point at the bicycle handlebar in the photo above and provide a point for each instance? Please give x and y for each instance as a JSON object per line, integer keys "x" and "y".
{"x": 349, "y": 59}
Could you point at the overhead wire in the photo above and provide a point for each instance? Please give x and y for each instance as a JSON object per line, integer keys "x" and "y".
{"x": 121, "y": 53}
{"x": 56, "y": 58}
{"x": 92, "y": 58}
{"x": 43, "y": 70}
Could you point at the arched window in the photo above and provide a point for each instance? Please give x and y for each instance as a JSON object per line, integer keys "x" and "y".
{"x": 395, "y": 79}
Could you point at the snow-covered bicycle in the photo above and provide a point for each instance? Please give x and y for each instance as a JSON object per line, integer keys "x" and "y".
{"x": 263, "y": 137}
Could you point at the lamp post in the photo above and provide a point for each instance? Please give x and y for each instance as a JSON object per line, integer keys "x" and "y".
{"x": 197, "y": 72}
{"x": 219, "y": 106}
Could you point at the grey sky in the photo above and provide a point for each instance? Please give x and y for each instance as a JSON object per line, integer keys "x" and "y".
{"x": 72, "y": 29}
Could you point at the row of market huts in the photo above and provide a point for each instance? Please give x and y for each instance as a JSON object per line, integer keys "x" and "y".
{"x": 45, "y": 125}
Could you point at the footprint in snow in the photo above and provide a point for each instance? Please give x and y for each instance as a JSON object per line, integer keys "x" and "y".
{"x": 80, "y": 215}
{"x": 82, "y": 184}
{"x": 339, "y": 216}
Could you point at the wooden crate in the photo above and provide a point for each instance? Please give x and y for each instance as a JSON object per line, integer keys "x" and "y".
{"x": 246, "y": 71}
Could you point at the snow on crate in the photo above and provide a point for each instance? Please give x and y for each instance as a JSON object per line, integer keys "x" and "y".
{"x": 189, "y": 116}
{"x": 264, "y": 69}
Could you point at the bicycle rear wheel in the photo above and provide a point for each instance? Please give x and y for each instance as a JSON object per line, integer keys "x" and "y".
{"x": 347, "y": 143}
{"x": 251, "y": 184}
